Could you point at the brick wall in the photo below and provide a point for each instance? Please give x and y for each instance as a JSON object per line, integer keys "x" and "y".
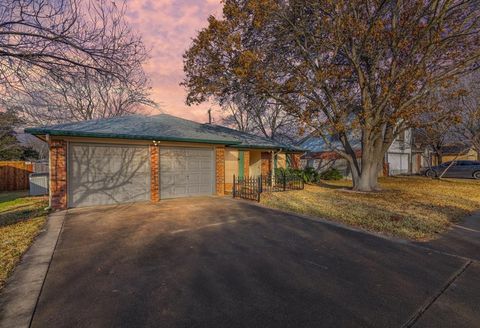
{"x": 58, "y": 174}
{"x": 154, "y": 173}
{"x": 296, "y": 161}
{"x": 220, "y": 170}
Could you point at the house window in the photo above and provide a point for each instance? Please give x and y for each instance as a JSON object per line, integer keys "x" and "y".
{"x": 401, "y": 136}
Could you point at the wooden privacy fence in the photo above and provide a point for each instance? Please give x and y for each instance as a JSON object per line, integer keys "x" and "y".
{"x": 14, "y": 175}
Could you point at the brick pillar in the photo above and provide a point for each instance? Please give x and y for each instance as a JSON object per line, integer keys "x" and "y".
{"x": 246, "y": 163}
{"x": 296, "y": 161}
{"x": 154, "y": 173}
{"x": 58, "y": 174}
{"x": 266, "y": 163}
{"x": 220, "y": 170}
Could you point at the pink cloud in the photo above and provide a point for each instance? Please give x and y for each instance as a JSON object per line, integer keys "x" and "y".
{"x": 167, "y": 28}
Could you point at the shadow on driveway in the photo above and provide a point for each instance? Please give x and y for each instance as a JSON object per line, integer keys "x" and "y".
{"x": 215, "y": 262}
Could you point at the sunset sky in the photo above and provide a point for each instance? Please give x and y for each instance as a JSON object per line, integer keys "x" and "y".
{"x": 167, "y": 28}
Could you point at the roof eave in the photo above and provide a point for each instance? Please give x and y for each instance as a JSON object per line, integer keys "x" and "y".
{"x": 36, "y": 131}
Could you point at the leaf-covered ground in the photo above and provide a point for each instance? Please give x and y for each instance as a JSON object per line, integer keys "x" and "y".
{"x": 21, "y": 219}
{"x": 407, "y": 207}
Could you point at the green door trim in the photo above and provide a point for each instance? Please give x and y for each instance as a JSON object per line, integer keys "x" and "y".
{"x": 241, "y": 164}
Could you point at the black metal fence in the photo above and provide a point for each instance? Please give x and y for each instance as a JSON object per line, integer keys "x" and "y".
{"x": 251, "y": 187}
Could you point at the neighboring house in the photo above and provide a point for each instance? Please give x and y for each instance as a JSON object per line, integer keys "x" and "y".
{"x": 458, "y": 151}
{"x": 399, "y": 157}
{"x": 148, "y": 158}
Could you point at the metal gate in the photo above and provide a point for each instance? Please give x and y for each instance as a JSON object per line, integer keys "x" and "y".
{"x": 252, "y": 187}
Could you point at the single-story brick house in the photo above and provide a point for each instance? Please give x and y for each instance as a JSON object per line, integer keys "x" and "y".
{"x": 140, "y": 158}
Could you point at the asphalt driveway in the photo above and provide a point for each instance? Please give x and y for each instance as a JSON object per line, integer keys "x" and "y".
{"x": 216, "y": 262}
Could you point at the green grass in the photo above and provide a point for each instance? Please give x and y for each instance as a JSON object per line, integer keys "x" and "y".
{"x": 407, "y": 207}
{"x": 21, "y": 219}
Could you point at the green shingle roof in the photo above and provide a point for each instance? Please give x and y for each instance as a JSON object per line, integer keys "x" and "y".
{"x": 161, "y": 127}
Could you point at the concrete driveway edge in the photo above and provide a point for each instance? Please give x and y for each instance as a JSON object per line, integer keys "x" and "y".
{"x": 20, "y": 295}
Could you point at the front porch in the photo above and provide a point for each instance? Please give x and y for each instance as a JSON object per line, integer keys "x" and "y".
{"x": 253, "y": 163}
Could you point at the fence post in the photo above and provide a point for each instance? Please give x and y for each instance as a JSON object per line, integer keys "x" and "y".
{"x": 234, "y": 187}
{"x": 284, "y": 182}
{"x": 260, "y": 187}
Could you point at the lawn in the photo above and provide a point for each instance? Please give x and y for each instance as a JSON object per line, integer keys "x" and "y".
{"x": 407, "y": 207}
{"x": 21, "y": 219}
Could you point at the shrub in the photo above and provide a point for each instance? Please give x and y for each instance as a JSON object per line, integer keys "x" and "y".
{"x": 308, "y": 175}
{"x": 331, "y": 174}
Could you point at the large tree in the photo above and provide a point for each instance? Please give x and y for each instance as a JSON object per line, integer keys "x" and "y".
{"x": 468, "y": 106}
{"x": 351, "y": 70}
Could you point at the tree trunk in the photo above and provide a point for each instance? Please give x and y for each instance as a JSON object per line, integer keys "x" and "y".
{"x": 439, "y": 158}
{"x": 367, "y": 180}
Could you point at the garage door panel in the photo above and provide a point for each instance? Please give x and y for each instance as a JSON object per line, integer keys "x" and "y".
{"x": 186, "y": 172}
{"x": 108, "y": 174}
{"x": 193, "y": 164}
{"x": 194, "y": 179}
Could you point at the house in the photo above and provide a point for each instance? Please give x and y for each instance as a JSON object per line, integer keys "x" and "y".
{"x": 455, "y": 151}
{"x": 399, "y": 159}
{"x": 149, "y": 158}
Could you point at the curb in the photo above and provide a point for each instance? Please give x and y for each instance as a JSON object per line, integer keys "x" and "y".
{"x": 22, "y": 290}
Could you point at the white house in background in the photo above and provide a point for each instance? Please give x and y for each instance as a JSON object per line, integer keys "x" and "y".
{"x": 400, "y": 157}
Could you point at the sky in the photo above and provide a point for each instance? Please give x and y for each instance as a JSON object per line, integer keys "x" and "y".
{"x": 167, "y": 28}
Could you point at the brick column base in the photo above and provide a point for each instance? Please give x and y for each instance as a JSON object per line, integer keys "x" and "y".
{"x": 154, "y": 173}
{"x": 58, "y": 174}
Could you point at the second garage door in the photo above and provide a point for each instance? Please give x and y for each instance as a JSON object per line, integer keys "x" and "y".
{"x": 186, "y": 172}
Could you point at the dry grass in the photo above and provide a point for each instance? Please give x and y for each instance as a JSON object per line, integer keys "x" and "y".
{"x": 21, "y": 219}
{"x": 407, "y": 207}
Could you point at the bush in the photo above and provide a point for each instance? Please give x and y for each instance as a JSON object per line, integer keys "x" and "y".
{"x": 308, "y": 175}
{"x": 331, "y": 174}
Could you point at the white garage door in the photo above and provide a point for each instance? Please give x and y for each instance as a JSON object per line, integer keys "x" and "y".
{"x": 107, "y": 174}
{"x": 398, "y": 163}
{"x": 186, "y": 172}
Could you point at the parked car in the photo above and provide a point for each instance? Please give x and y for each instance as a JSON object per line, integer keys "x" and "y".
{"x": 459, "y": 169}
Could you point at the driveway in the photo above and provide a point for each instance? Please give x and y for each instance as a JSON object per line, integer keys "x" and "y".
{"x": 216, "y": 262}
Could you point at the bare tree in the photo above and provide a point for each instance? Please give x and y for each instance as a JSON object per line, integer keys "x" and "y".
{"x": 83, "y": 96}
{"x": 434, "y": 138}
{"x": 237, "y": 115}
{"x": 70, "y": 57}
{"x": 265, "y": 117}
